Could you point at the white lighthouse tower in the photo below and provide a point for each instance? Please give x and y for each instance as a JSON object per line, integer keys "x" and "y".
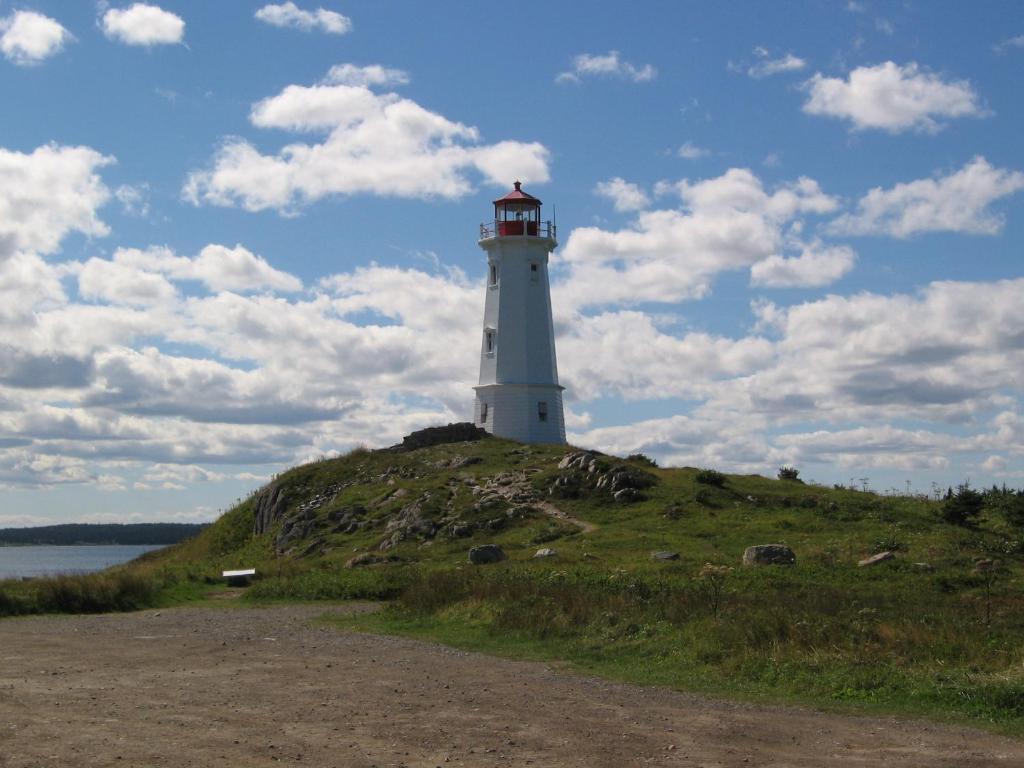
{"x": 518, "y": 395}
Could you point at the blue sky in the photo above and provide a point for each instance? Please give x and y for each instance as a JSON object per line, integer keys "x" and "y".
{"x": 236, "y": 236}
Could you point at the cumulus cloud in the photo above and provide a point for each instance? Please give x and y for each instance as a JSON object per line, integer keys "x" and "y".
{"x": 958, "y": 202}
{"x": 859, "y": 368}
{"x": 892, "y": 98}
{"x": 1011, "y": 42}
{"x": 606, "y": 65}
{"x": 27, "y": 37}
{"x": 667, "y": 255}
{"x": 117, "y": 282}
{"x": 218, "y": 267}
{"x": 767, "y": 66}
{"x": 690, "y": 151}
{"x": 623, "y": 194}
{"x": 143, "y": 24}
{"x": 625, "y": 354}
{"x": 47, "y": 194}
{"x": 372, "y": 74}
{"x": 376, "y": 143}
{"x": 943, "y": 355}
{"x": 814, "y": 267}
{"x": 290, "y": 15}
{"x": 134, "y": 200}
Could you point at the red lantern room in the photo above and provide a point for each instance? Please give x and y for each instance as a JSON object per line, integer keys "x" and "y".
{"x": 518, "y": 213}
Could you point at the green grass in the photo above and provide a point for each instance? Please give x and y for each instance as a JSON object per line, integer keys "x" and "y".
{"x": 942, "y": 640}
{"x": 781, "y": 635}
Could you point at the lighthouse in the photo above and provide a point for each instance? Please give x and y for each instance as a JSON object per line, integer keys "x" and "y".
{"x": 518, "y": 395}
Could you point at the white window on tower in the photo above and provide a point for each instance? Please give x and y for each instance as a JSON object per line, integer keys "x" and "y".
{"x": 483, "y": 413}
{"x": 494, "y": 274}
{"x": 542, "y": 411}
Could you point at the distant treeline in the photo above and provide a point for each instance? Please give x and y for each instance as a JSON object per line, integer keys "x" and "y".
{"x": 101, "y": 533}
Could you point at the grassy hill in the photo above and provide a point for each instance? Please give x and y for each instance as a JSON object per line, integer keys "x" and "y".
{"x": 936, "y": 630}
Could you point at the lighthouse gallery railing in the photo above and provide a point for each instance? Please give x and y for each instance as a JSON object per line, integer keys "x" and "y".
{"x": 517, "y": 227}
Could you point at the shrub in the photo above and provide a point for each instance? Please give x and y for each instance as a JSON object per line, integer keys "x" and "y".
{"x": 674, "y": 511}
{"x": 790, "y": 473}
{"x": 963, "y": 506}
{"x": 711, "y": 477}
{"x": 1007, "y": 503}
{"x": 641, "y": 458}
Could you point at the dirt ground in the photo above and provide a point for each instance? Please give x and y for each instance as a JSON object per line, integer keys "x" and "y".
{"x": 259, "y": 687}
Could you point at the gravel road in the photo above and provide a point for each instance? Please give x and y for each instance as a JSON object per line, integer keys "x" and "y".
{"x": 247, "y": 687}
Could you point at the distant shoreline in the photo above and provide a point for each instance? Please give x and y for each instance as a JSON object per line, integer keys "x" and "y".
{"x": 99, "y": 534}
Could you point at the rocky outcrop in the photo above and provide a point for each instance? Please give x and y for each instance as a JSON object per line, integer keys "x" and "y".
{"x": 665, "y": 556}
{"x": 486, "y": 553}
{"x": 584, "y": 471}
{"x": 881, "y": 557}
{"x": 368, "y": 558}
{"x": 769, "y": 554}
{"x": 452, "y": 433}
{"x": 268, "y": 507}
{"x": 411, "y": 522}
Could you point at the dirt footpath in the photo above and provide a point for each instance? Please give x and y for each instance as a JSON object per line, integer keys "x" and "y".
{"x": 260, "y": 687}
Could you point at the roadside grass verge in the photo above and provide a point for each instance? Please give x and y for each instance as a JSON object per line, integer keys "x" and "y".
{"x": 86, "y": 593}
{"x": 909, "y": 647}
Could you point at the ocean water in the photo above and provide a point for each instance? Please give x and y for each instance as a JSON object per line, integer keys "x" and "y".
{"x": 20, "y": 562}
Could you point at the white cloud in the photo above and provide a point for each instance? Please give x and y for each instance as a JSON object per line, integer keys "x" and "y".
{"x": 625, "y": 354}
{"x": 27, "y": 283}
{"x": 290, "y": 15}
{"x": 218, "y": 267}
{"x": 994, "y": 464}
{"x": 27, "y": 37}
{"x": 814, "y": 267}
{"x": 892, "y": 98}
{"x": 885, "y": 26}
{"x": 238, "y": 269}
{"x": 378, "y": 144}
{"x": 768, "y": 67}
{"x": 143, "y": 24}
{"x": 690, "y": 151}
{"x": 727, "y": 223}
{"x": 606, "y": 65}
{"x": 47, "y": 194}
{"x": 119, "y": 283}
{"x": 943, "y": 355}
{"x": 373, "y": 74}
{"x": 1012, "y": 42}
{"x": 958, "y": 202}
{"x": 624, "y": 195}
{"x": 134, "y": 200}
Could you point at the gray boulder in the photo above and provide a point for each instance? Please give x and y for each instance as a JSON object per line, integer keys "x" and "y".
{"x": 769, "y": 554}
{"x": 546, "y": 552}
{"x": 627, "y": 495}
{"x": 881, "y": 557}
{"x": 486, "y": 553}
{"x": 664, "y": 555}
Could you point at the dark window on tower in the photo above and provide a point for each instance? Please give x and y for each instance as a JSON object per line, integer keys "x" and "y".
{"x": 542, "y": 411}
{"x": 490, "y": 341}
{"x": 494, "y": 274}
{"x": 483, "y": 413}
{"x": 534, "y": 271}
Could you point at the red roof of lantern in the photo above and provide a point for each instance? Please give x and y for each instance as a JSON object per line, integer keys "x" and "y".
{"x": 517, "y": 196}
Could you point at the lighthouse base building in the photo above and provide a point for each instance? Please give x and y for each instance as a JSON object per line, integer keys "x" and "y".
{"x": 518, "y": 395}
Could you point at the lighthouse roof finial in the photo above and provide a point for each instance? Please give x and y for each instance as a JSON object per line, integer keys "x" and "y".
{"x": 518, "y": 196}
